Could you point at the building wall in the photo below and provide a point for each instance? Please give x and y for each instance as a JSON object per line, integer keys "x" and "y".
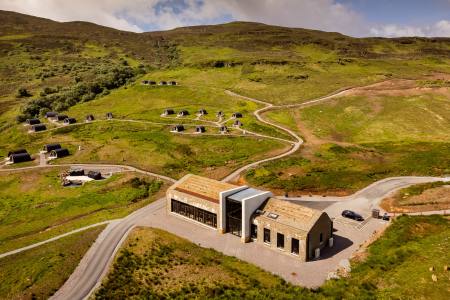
{"x": 191, "y": 200}
{"x": 323, "y": 225}
{"x": 289, "y": 233}
{"x": 249, "y": 206}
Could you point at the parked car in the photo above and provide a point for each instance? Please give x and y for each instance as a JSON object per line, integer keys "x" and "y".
{"x": 352, "y": 215}
{"x": 386, "y": 217}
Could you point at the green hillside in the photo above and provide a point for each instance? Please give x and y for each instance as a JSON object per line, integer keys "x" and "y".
{"x": 81, "y": 68}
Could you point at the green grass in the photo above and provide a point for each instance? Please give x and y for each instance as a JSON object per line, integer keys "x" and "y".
{"x": 34, "y": 205}
{"x": 336, "y": 169}
{"x": 155, "y": 263}
{"x": 151, "y": 147}
{"x": 418, "y": 189}
{"x": 397, "y": 265}
{"x": 383, "y": 118}
{"x": 38, "y": 273}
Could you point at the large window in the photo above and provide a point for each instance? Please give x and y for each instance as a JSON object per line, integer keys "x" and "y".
{"x": 192, "y": 212}
{"x": 295, "y": 248}
{"x": 266, "y": 235}
{"x": 280, "y": 240}
{"x": 254, "y": 231}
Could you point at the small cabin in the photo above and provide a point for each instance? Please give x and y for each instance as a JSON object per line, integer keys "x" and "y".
{"x": 183, "y": 113}
{"x": 33, "y": 121}
{"x": 173, "y": 82}
{"x": 76, "y": 172}
{"x": 200, "y": 129}
{"x": 223, "y": 129}
{"x": 59, "y": 153}
{"x": 177, "y": 128}
{"x": 168, "y": 112}
{"x": 220, "y": 114}
{"x": 19, "y": 157}
{"x": 38, "y": 127}
{"x": 68, "y": 121}
{"x": 90, "y": 118}
{"x": 163, "y": 83}
{"x": 109, "y": 116}
{"x": 18, "y": 151}
{"x": 60, "y": 117}
{"x": 50, "y": 147}
{"x": 202, "y": 112}
{"x": 236, "y": 115}
{"x": 51, "y": 114}
{"x": 151, "y": 82}
{"x": 237, "y": 123}
{"x": 94, "y": 175}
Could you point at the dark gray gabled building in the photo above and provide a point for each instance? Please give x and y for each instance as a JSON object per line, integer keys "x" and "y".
{"x": 49, "y": 147}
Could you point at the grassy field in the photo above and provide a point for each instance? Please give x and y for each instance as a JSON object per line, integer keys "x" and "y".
{"x": 38, "y": 273}
{"x": 354, "y": 140}
{"x": 420, "y": 197}
{"x": 340, "y": 170}
{"x": 154, "y": 263}
{"x": 34, "y": 205}
{"x": 151, "y": 147}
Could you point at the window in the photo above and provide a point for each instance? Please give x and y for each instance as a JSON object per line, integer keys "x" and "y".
{"x": 266, "y": 235}
{"x": 194, "y": 213}
{"x": 254, "y": 231}
{"x": 295, "y": 247}
{"x": 321, "y": 237}
{"x": 280, "y": 240}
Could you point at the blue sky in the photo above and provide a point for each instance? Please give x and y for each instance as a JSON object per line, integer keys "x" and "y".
{"x": 351, "y": 17}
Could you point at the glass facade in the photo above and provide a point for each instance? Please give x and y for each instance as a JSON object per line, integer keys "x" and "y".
{"x": 194, "y": 213}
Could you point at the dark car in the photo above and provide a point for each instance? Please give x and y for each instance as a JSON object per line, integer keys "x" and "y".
{"x": 352, "y": 215}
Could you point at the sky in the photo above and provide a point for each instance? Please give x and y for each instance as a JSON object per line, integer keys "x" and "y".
{"x": 359, "y": 18}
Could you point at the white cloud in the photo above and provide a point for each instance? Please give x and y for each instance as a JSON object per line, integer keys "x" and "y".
{"x": 136, "y": 15}
{"x": 167, "y": 14}
{"x": 439, "y": 29}
{"x": 103, "y": 12}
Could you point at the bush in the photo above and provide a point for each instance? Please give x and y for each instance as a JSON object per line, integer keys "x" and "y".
{"x": 23, "y": 92}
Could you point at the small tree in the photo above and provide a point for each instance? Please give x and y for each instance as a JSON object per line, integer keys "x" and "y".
{"x": 23, "y": 92}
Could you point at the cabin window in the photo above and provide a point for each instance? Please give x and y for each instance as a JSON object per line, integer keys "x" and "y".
{"x": 295, "y": 247}
{"x": 254, "y": 231}
{"x": 266, "y": 235}
{"x": 280, "y": 240}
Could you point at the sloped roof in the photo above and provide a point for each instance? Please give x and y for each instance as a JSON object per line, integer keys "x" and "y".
{"x": 202, "y": 187}
{"x": 289, "y": 214}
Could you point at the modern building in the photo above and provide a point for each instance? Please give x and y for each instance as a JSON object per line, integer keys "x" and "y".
{"x": 59, "y": 153}
{"x": 183, "y": 113}
{"x": 38, "y": 127}
{"x": 202, "y": 112}
{"x": 49, "y": 147}
{"x": 252, "y": 214}
{"x": 236, "y": 115}
{"x": 68, "y": 121}
{"x": 168, "y": 111}
{"x": 33, "y": 121}
{"x": 200, "y": 129}
{"x": 177, "y": 128}
{"x": 90, "y": 118}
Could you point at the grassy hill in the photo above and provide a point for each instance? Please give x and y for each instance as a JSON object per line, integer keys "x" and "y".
{"x": 80, "y": 68}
